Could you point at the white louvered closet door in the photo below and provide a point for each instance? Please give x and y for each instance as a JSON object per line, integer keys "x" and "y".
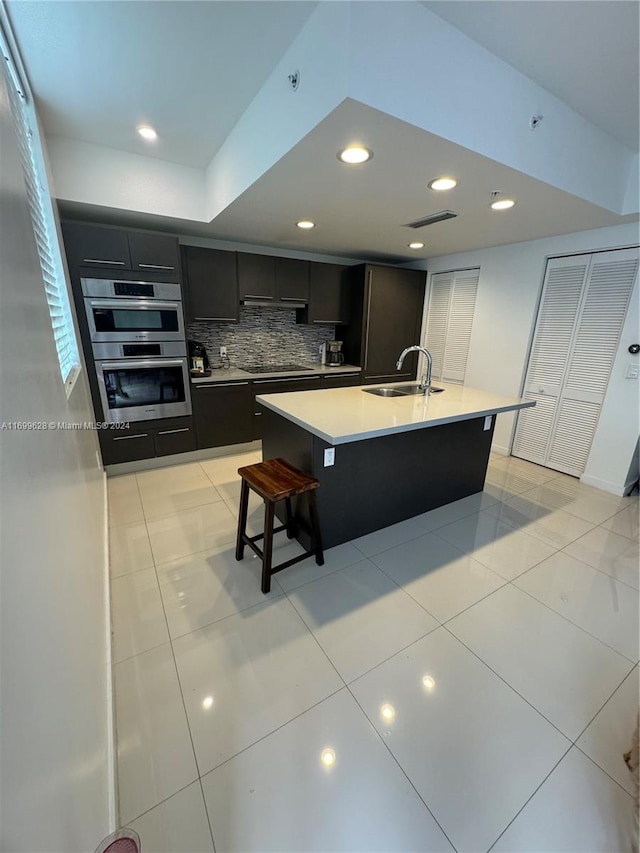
{"x": 452, "y": 303}
{"x": 584, "y": 305}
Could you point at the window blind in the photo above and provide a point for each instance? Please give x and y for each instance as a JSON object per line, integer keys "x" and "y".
{"x": 44, "y": 229}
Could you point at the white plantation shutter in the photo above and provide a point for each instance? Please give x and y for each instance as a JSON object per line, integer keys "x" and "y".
{"x": 44, "y": 229}
{"x": 583, "y": 308}
{"x": 452, "y": 301}
{"x": 561, "y": 296}
{"x": 463, "y": 303}
{"x": 437, "y": 320}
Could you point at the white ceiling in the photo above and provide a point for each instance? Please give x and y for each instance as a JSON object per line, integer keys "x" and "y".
{"x": 192, "y": 68}
{"x": 584, "y": 53}
{"x": 189, "y": 69}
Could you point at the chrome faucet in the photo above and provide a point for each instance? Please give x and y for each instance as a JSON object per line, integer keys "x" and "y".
{"x": 425, "y": 384}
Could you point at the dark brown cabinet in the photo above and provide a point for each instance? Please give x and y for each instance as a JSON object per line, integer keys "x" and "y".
{"x": 328, "y": 296}
{"x": 292, "y": 280}
{"x": 146, "y": 439}
{"x": 211, "y": 284}
{"x": 272, "y": 279}
{"x": 386, "y": 310}
{"x": 256, "y": 276}
{"x": 102, "y": 248}
{"x": 96, "y": 246}
{"x": 157, "y": 253}
{"x": 340, "y": 380}
{"x": 278, "y": 386}
{"x": 222, "y": 413}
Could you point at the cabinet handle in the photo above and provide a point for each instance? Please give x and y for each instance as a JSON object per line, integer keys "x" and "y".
{"x": 257, "y": 414}
{"x": 219, "y": 384}
{"x": 332, "y": 322}
{"x": 129, "y": 437}
{"x": 291, "y": 298}
{"x": 288, "y": 379}
{"x": 171, "y": 431}
{"x": 214, "y": 318}
{"x": 102, "y": 261}
{"x": 155, "y": 267}
{"x": 254, "y": 296}
{"x": 366, "y": 342}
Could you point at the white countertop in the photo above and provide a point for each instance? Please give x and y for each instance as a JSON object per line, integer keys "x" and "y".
{"x": 341, "y": 415}
{"x": 235, "y": 374}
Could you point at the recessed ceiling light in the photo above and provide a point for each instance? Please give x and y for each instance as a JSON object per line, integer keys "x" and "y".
{"x": 442, "y": 184}
{"x": 147, "y": 133}
{"x": 306, "y": 223}
{"x": 502, "y": 204}
{"x": 415, "y": 245}
{"x": 355, "y": 154}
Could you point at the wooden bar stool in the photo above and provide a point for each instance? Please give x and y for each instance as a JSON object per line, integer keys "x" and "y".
{"x": 275, "y": 480}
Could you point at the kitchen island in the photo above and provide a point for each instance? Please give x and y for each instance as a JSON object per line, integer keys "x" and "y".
{"x": 393, "y": 457}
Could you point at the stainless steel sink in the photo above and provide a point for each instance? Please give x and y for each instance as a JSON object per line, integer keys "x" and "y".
{"x": 406, "y": 391}
{"x": 409, "y": 390}
{"x": 384, "y": 392}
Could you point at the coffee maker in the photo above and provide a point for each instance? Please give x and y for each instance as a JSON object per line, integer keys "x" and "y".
{"x": 334, "y": 356}
{"x": 198, "y": 360}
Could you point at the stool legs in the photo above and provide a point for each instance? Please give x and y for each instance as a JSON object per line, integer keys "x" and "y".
{"x": 269, "y": 507}
{"x": 291, "y": 525}
{"x": 316, "y": 539}
{"x": 242, "y": 519}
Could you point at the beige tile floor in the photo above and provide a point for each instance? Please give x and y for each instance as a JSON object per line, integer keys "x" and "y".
{"x": 465, "y": 680}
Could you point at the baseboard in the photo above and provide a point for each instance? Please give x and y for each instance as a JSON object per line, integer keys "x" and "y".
{"x": 112, "y": 770}
{"x": 501, "y": 451}
{"x": 182, "y": 458}
{"x": 606, "y": 485}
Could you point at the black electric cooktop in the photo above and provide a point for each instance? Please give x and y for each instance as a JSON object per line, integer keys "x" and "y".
{"x": 272, "y": 368}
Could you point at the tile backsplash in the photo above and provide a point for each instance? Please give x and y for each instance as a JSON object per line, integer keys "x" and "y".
{"x": 263, "y": 335}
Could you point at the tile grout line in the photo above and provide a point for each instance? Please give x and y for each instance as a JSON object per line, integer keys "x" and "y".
{"x": 401, "y": 768}
{"x": 347, "y": 687}
{"x": 575, "y": 624}
{"x": 528, "y": 800}
{"x": 595, "y": 568}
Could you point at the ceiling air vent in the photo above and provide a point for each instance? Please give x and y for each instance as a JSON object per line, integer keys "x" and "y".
{"x": 430, "y": 220}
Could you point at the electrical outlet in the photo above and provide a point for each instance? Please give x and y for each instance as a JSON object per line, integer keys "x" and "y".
{"x": 329, "y": 456}
{"x": 223, "y": 352}
{"x": 632, "y": 371}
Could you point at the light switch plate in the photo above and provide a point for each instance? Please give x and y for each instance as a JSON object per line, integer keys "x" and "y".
{"x": 329, "y": 456}
{"x": 632, "y": 371}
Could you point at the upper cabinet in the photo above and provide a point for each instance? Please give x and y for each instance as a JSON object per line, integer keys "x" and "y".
{"x": 328, "y": 296}
{"x": 100, "y": 248}
{"x": 154, "y": 252}
{"x": 265, "y": 278}
{"x": 211, "y": 284}
{"x": 386, "y": 314}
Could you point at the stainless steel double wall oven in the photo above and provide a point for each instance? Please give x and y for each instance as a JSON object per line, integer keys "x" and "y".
{"x": 139, "y": 348}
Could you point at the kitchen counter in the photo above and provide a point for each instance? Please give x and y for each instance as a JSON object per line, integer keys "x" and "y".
{"x": 381, "y": 460}
{"x": 235, "y": 374}
{"x": 343, "y": 415}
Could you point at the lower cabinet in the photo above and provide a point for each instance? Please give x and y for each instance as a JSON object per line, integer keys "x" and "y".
{"x": 278, "y": 386}
{"x": 341, "y": 380}
{"x": 222, "y": 413}
{"x": 147, "y": 439}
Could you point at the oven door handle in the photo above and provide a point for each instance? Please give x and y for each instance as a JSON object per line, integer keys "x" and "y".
{"x": 134, "y": 364}
{"x": 137, "y": 304}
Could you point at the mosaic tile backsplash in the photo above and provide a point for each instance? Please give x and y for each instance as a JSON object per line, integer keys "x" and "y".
{"x": 263, "y": 336}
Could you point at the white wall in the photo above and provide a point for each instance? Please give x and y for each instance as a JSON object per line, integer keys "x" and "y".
{"x": 508, "y": 292}
{"x": 54, "y": 737}
{"x": 411, "y": 64}
{"x": 95, "y": 174}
